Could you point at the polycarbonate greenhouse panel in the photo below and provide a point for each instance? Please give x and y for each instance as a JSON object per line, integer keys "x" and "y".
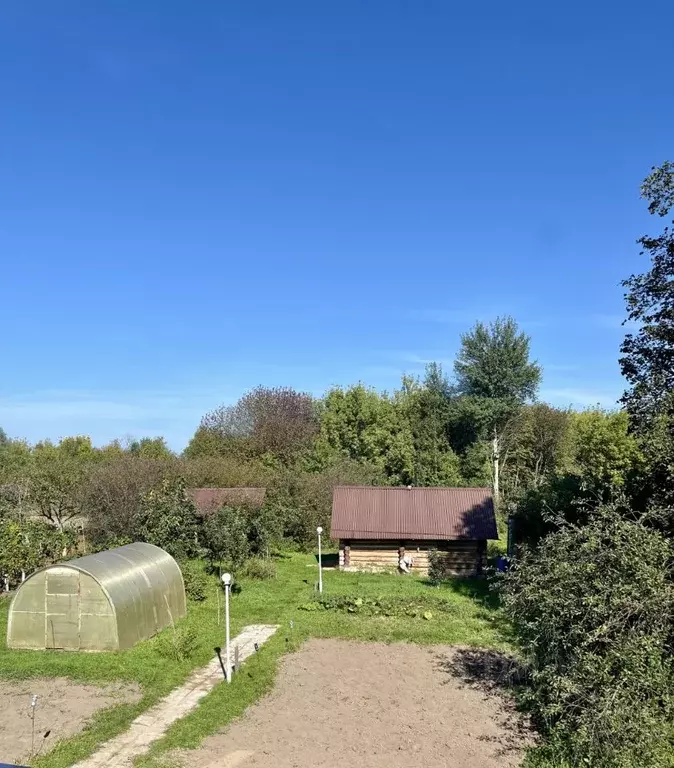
{"x": 102, "y": 602}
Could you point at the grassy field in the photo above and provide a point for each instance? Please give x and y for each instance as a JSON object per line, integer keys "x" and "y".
{"x": 468, "y": 616}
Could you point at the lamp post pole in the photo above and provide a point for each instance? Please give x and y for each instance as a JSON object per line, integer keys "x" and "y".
{"x": 227, "y": 581}
{"x": 319, "y": 531}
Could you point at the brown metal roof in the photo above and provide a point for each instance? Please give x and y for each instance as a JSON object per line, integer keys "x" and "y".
{"x": 364, "y": 512}
{"x": 208, "y": 500}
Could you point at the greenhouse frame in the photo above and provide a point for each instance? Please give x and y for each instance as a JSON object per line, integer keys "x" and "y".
{"x": 104, "y": 602}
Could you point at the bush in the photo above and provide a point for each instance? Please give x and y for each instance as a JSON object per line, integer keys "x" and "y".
{"x": 196, "y": 580}
{"x": 259, "y": 568}
{"x": 438, "y": 567}
{"x": 178, "y": 643}
{"x": 592, "y": 608}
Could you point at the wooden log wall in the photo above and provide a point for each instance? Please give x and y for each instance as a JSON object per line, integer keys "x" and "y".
{"x": 463, "y": 557}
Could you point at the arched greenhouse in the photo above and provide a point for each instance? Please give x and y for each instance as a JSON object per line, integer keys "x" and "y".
{"x": 103, "y": 602}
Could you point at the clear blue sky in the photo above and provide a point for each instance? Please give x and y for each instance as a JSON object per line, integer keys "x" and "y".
{"x": 198, "y": 197}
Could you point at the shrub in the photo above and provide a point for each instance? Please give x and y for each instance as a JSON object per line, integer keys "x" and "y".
{"x": 259, "y": 568}
{"x": 592, "y": 608}
{"x": 438, "y": 567}
{"x": 179, "y": 643}
{"x": 196, "y": 580}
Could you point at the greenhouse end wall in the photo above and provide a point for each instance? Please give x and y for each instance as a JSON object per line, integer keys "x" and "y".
{"x": 102, "y": 602}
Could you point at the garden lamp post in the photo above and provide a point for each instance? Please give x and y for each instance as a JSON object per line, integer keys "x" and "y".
{"x": 227, "y": 581}
{"x": 319, "y": 531}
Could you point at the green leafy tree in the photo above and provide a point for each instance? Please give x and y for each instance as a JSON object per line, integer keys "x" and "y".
{"x": 225, "y": 537}
{"x": 425, "y": 407}
{"x": 592, "y": 607}
{"x": 536, "y": 446}
{"x": 361, "y": 424}
{"x": 604, "y": 453}
{"x": 168, "y": 519}
{"x": 26, "y": 546}
{"x": 647, "y": 360}
{"x": 493, "y": 368}
{"x": 15, "y": 472}
{"x": 150, "y": 448}
{"x": 55, "y": 480}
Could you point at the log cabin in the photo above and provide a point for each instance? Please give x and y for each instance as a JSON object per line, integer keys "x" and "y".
{"x": 398, "y": 528}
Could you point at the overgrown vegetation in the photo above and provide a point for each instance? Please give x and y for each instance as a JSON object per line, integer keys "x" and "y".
{"x": 592, "y": 607}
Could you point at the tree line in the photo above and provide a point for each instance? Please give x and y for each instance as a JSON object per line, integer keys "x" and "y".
{"x": 482, "y": 427}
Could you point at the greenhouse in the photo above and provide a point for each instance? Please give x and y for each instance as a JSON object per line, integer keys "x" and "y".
{"x": 103, "y": 602}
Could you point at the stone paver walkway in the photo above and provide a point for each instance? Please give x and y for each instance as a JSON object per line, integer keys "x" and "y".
{"x": 151, "y": 725}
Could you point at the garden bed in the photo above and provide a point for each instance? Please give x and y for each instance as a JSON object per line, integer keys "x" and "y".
{"x": 384, "y": 706}
{"x": 62, "y": 709}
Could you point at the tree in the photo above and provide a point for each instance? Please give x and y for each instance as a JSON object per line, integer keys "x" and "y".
{"x": 55, "y": 481}
{"x": 592, "y": 607}
{"x": 425, "y": 407}
{"x": 647, "y": 360}
{"x": 493, "y": 367}
{"x": 276, "y": 421}
{"x": 3, "y": 437}
{"x": 604, "y": 453}
{"x": 168, "y": 519}
{"x": 224, "y": 535}
{"x": 150, "y": 448}
{"x": 361, "y": 424}
{"x": 536, "y": 445}
{"x": 112, "y": 493}
{"x": 15, "y": 472}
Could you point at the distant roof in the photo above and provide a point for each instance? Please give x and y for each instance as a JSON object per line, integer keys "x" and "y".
{"x": 364, "y": 512}
{"x": 209, "y": 499}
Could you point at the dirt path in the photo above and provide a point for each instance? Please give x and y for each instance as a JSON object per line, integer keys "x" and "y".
{"x": 376, "y": 705}
{"x": 62, "y": 710}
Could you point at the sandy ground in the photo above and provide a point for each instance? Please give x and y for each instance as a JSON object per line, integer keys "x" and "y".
{"x": 62, "y": 709}
{"x": 375, "y": 705}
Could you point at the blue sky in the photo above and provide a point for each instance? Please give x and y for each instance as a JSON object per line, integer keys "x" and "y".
{"x": 196, "y": 198}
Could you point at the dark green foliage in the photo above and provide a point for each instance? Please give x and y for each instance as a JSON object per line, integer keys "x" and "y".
{"x": 259, "y": 568}
{"x": 168, "y": 520}
{"x": 224, "y": 535}
{"x": 593, "y": 607}
{"x": 648, "y": 354}
{"x": 195, "y": 578}
{"x": 426, "y": 408}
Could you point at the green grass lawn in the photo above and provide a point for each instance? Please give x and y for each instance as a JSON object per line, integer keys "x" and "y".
{"x": 469, "y": 617}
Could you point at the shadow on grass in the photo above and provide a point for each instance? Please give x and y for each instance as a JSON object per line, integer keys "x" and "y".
{"x": 487, "y": 600}
{"x": 475, "y": 587}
